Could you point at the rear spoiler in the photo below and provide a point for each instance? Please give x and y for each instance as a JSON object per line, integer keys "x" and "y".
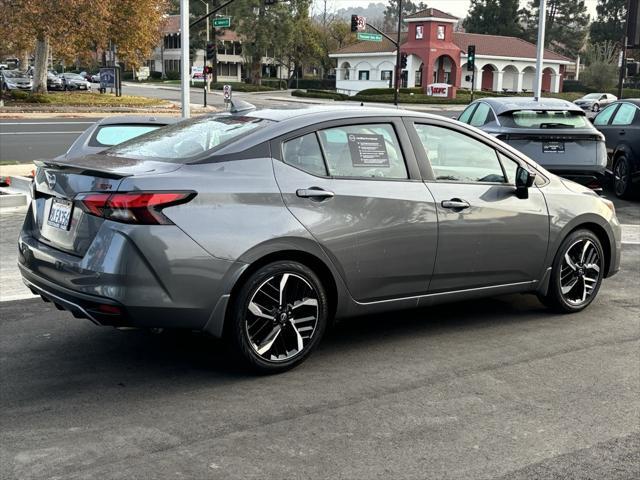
{"x": 76, "y": 166}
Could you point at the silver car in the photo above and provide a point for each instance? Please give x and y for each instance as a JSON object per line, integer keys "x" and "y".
{"x": 594, "y": 102}
{"x": 15, "y": 80}
{"x": 553, "y": 132}
{"x": 263, "y": 226}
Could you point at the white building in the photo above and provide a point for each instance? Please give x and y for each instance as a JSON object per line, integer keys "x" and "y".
{"x": 502, "y": 64}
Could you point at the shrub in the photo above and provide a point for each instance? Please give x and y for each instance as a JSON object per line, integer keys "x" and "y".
{"x": 172, "y": 75}
{"x": 155, "y": 75}
{"x": 28, "y": 97}
{"x": 320, "y": 94}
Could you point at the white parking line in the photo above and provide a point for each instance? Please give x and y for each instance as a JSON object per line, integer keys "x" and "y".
{"x": 630, "y": 234}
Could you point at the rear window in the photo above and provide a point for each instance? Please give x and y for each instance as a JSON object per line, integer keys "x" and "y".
{"x": 110, "y": 135}
{"x": 543, "y": 119}
{"x": 187, "y": 139}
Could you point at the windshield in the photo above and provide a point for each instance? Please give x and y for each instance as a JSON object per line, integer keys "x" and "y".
{"x": 592, "y": 96}
{"x": 187, "y": 139}
{"x": 543, "y": 119}
{"x": 10, "y": 74}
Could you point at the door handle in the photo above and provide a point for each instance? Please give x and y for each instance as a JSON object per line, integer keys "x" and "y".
{"x": 455, "y": 204}
{"x": 314, "y": 193}
{"x": 622, "y": 132}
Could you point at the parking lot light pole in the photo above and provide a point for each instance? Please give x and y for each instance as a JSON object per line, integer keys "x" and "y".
{"x": 184, "y": 60}
{"x": 542, "y": 20}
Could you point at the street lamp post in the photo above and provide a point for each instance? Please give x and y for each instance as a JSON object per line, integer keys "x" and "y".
{"x": 184, "y": 60}
{"x": 542, "y": 20}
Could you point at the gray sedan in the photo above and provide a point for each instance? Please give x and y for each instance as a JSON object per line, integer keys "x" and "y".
{"x": 263, "y": 226}
{"x": 594, "y": 102}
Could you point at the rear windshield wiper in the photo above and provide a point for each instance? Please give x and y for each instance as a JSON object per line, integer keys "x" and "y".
{"x": 556, "y": 125}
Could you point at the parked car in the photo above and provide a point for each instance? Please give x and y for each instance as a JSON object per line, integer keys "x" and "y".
{"x": 112, "y": 131}
{"x": 95, "y": 78}
{"x": 15, "y": 80}
{"x": 54, "y": 82}
{"x": 620, "y": 124}
{"x": 73, "y": 81}
{"x": 595, "y": 101}
{"x": 264, "y": 225}
{"x": 553, "y": 132}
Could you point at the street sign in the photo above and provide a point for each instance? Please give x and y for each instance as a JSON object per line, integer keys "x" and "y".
{"x": 107, "y": 77}
{"x": 438, "y": 90}
{"x": 362, "y": 23}
{"x": 371, "y": 37}
{"x": 226, "y": 93}
{"x": 222, "y": 22}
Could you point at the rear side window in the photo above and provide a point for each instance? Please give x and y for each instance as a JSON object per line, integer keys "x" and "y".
{"x": 624, "y": 115}
{"x": 304, "y": 153}
{"x": 363, "y": 151}
{"x": 544, "y": 119}
{"x": 109, "y": 135}
{"x": 456, "y": 157}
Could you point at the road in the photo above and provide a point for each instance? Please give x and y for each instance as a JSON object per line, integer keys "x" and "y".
{"x": 492, "y": 389}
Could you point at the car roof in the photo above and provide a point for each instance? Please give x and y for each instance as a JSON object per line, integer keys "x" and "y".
{"x": 635, "y": 101}
{"x": 127, "y": 119}
{"x": 318, "y": 112}
{"x": 509, "y": 104}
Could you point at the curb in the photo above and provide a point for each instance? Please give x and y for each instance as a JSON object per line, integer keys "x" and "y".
{"x": 10, "y": 197}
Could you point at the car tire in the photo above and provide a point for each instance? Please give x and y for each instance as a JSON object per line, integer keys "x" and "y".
{"x": 576, "y": 274}
{"x": 596, "y": 107}
{"x": 278, "y": 317}
{"x": 622, "y": 185}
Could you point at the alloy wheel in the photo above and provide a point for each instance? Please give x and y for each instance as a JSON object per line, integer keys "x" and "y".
{"x": 281, "y": 317}
{"x": 580, "y": 272}
{"x": 620, "y": 177}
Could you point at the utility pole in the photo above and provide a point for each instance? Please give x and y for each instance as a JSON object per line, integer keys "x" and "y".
{"x": 215, "y": 49}
{"x": 623, "y": 45}
{"x": 398, "y": 67}
{"x": 542, "y": 20}
{"x": 185, "y": 93}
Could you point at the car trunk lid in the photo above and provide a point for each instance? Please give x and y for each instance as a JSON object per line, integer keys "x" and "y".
{"x": 57, "y": 219}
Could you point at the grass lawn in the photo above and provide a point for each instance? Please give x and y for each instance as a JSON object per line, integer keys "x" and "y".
{"x": 81, "y": 99}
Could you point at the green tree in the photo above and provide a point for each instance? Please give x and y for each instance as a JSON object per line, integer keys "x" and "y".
{"x": 566, "y": 27}
{"x": 494, "y": 17}
{"x": 602, "y": 68}
{"x": 609, "y": 22}
{"x": 391, "y": 13}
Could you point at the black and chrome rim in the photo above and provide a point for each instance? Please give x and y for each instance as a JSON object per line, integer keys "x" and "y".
{"x": 282, "y": 316}
{"x": 580, "y": 272}
{"x": 620, "y": 177}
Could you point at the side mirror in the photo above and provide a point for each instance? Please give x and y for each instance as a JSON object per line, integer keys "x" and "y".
{"x": 524, "y": 180}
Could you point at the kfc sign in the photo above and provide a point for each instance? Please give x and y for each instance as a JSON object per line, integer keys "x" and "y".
{"x": 438, "y": 90}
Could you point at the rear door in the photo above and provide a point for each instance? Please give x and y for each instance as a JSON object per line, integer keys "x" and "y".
{"x": 355, "y": 186}
{"x": 602, "y": 121}
{"x": 487, "y": 236}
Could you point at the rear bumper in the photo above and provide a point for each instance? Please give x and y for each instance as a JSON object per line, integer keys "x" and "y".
{"x": 130, "y": 276}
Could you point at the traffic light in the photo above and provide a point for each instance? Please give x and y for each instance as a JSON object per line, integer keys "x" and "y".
{"x": 403, "y": 60}
{"x": 208, "y": 70}
{"x": 354, "y": 23}
{"x": 270, "y": 2}
{"x": 471, "y": 58}
{"x": 211, "y": 50}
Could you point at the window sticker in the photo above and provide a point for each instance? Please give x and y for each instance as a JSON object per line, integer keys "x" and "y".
{"x": 367, "y": 150}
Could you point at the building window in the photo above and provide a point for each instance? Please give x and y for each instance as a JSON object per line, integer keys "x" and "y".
{"x": 440, "y": 34}
{"x": 386, "y": 75}
{"x": 363, "y": 74}
{"x": 418, "y": 78}
{"x": 237, "y": 48}
{"x": 419, "y": 32}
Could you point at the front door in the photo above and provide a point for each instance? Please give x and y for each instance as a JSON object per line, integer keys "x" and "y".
{"x": 355, "y": 187}
{"x": 487, "y": 236}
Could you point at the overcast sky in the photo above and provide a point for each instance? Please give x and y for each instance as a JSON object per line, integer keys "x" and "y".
{"x": 458, "y": 8}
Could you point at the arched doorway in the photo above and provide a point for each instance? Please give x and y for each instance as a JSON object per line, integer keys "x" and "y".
{"x": 419, "y": 76}
{"x": 528, "y": 78}
{"x": 444, "y": 70}
{"x": 510, "y": 78}
{"x": 345, "y": 68}
{"x": 487, "y": 77}
{"x": 546, "y": 79}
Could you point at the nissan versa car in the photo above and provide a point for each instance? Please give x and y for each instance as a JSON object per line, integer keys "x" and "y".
{"x": 553, "y": 132}
{"x": 262, "y": 226}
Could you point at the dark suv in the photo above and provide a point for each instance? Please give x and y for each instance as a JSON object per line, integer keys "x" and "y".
{"x": 620, "y": 124}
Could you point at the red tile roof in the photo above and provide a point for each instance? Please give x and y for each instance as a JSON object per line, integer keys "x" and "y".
{"x": 171, "y": 24}
{"x": 495, "y": 45}
{"x": 431, "y": 12}
{"x": 500, "y": 46}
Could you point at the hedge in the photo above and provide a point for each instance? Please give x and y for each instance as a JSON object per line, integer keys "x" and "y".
{"x": 320, "y": 94}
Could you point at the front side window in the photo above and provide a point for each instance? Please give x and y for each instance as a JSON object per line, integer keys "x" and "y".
{"x": 544, "y": 119}
{"x": 605, "y": 115}
{"x": 624, "y": 115}
{"x": 304, "y": 153}
{"x": 466, "y": 115}
{"x": 189, "y": 138}
{"x": 363, "y": 75}
{"x": 363, "y": 151}
{"x": 482, "y": 115}
{"x": 456, "y": 157}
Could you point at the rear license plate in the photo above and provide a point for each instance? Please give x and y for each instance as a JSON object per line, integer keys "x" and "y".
{"x": 553, "y": 147}
{"x": 60, "y": 213}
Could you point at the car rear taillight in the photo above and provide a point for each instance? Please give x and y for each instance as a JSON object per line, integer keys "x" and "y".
{"x": 132, "y": 207}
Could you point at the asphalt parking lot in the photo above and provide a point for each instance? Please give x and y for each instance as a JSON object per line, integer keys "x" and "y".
{"x": 492, "y": 389}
